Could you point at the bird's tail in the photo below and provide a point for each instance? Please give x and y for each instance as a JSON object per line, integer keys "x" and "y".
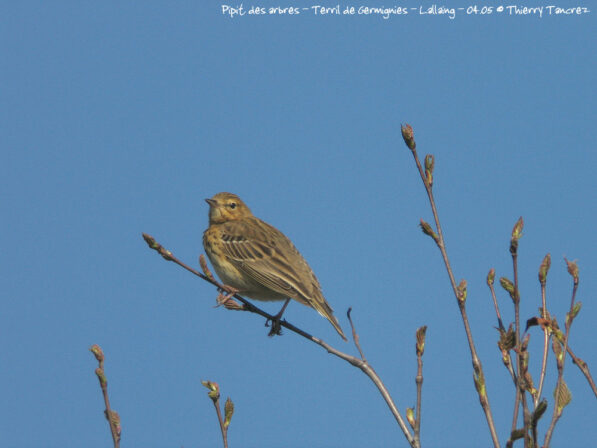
{"x": 323, "y": 308}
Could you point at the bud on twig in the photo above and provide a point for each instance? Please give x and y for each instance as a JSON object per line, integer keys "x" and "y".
{"x": 557, "y": 350}
{"x": 507, "y": 339}
{"x": 555, "y": 329}
{"x": 410, "y": 416}
{"x": 409, "y": 136}
{"x": 114, "y": 420}
{"x": 480, "y": 384}
{"x": 421, "y": 340}
{"x": 490, "y": 277}
{"x": 461, "y": 291}
{"x": 228, "y": 411}
{"x": 544, "y": 269}
{"x": 509, "y": 286}
{"x": 97, "y": 352}
{"x": 528, "y": 383}
{"x": 516, "y": 234}
{"x": 572, "y": 270}
{"x": 572, "y": 315}
{"x": 427, "y": 230}
{"x": 214, "y": 390}
{"x": 153, "y": 244}
{"x": 429, "y": 164}
{"x": 539, "y": 411}
{"x": 101, "y": 376}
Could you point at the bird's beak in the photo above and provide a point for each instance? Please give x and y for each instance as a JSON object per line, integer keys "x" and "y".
{"x": 211, "y": 202}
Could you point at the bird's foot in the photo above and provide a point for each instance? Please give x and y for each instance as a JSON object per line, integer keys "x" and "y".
{"x": 276, "y": 327}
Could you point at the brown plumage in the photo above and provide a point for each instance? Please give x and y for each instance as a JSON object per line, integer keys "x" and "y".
{"x": 257, "y": 259}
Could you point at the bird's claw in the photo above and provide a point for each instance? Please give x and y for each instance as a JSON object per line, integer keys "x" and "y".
{"x": 276, "y": 327}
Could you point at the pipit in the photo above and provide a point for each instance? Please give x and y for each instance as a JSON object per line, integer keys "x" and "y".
{"x": 257, "y": 260}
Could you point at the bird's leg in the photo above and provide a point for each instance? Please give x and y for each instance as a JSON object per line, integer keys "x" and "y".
{"x": 276, "y": 327}
{"x": 227, "y": 300}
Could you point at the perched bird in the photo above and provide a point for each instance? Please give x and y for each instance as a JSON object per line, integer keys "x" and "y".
{"x": 258, "y": 260}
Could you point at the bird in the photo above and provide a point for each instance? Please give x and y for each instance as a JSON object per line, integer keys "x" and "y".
{"x": 258, "y": 261}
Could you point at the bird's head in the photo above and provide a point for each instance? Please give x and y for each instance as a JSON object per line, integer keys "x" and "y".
{"x": 226, "y": 207}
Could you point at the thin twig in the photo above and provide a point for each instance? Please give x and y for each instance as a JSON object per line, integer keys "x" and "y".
{"x": 543, "y": 270}
{"x": 214, "y": 394}
{"x": 506, "y": 355}
{"x": 355, "y": 336}
{"x": 520, "y": 368}
{"x": 515, "y": 413}
{"x": 223, "y": 429}
{"x": 420, "y": 349}
{"x": 584, "y": 368}
{"x": 427, "y": 178}
{"x": 561, "y": 359}
{"x": 490, "y": 280}
{"x": 362, "y": 364}
{"x": 112, "y": 416}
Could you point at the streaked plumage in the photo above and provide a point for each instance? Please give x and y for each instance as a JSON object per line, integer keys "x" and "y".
{"x": 254, "y": 257}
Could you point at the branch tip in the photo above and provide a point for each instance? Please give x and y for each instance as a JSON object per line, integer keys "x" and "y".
{"x": 409, "y": 136}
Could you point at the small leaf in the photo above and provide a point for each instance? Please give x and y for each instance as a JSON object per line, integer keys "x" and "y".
{"x": 562, "y": 395}
{"x": 214, "y": 390}
{"x": 410, "y": 416}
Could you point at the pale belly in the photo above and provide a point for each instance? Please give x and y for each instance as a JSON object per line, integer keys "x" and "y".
{"x": 246, "y": 286}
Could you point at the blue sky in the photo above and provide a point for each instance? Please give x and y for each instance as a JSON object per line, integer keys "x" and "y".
{"x": 119, "y": 118}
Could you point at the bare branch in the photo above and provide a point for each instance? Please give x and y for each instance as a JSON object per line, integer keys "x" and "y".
{"x": 479, "y": 377}
{"x": 112, "y": 416}
{"x": 362, "y": 364}
{"x": 562, "y": 394}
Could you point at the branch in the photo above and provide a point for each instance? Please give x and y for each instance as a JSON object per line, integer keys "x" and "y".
{"x": 420, "y": 348}
{"x": 562, "y": 394}
{"x": 584, "y": 368}
{"x": 459, "y": 291}
{"x": 214, "y": 394}
{"x": 521, "y": 355}
{"x": 361, "y": 363}
{"x": 543, "y": 270}
{"x": 112, "y": 416}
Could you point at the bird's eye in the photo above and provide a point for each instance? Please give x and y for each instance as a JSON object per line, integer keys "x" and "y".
{"x": 232, "y": 205}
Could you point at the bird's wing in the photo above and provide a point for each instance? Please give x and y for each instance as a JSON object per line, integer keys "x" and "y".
{"x": 268, "y": 257}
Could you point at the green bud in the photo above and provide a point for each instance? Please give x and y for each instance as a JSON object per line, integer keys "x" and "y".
{"x": 410, "y": 416}
{"x": 544, "y": 269}
{"x": 228, "y": 411}
{"x": 490, "y": 277}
